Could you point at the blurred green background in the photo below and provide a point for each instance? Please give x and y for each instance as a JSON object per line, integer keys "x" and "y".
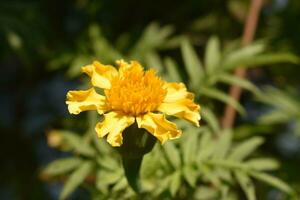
{"x": 44, "y": 43}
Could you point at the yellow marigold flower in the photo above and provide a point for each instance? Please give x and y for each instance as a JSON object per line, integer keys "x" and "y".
{"x": 133, "y": 95}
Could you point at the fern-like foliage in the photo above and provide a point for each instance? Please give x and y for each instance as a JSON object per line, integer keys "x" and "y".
{"x": 206, "y": 162}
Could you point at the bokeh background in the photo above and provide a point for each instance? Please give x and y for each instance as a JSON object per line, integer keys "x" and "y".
{"x": 45, "y": 42}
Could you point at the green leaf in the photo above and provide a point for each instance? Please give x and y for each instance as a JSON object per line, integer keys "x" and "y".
{"x": 274, "y": 117}
{"x": 243, "y": 83}
{"x": 244, "y": 149}
{"x": 262, "y": 164}
{"x": 152, "y": 38}
{"x": 192, "y": 63}
{"x": 190, "y": 174}
{"x": 172, "y": 69}
{"x": 224, "y": 174}
{"x": 206, "y": 148}
{"x": 153, "y": 61}
{"x": 246, "y": 184}
{"x": 235, "y": 58}
{"x": 62, "y": 166}
{"x": 221, "y": 96}
{"x": 281, "y": 100}
{"x": 104, "y": 178}
{"x": 164, "y": 185}
{"x": 121, "y": 185}
{"x": 205, "y": 193}
{"x": 189, "y": 147}
{"x": 175, "y": 183}
{"x": 76, "y": 178}
{"x": 297, "y": 127}
{"x": 212, "y": 55}
{"x": 76, "y": 64}
{"x": 209, "y": 116}
{"x": 273, "y": 181}
{"x": 209, "y": 175}
{"x": 108, "y": 162}
{"x": 102, "y": 48}
{"x": 225, "y": 163}
{"x": 77, "y": 144}
{"x": 267, "y": 59}
{"x": 223, "y": 144}
{"x": 172, "y": 154}
{"x": 224, "y": 192}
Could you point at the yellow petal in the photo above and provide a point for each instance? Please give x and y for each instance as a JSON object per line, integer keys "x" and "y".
{"x": 158, "y": 126}
{"x": 185, "y": 109}
{"x": 82, "y": 100}
{"x": 176, "y": 91}
{"x": 113, "y": 125}
{"x": 125, "y": 66}
{"x": 100, "y": 74}
{"x": 180, "y": 103}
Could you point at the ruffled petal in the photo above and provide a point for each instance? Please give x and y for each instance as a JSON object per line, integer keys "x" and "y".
{"x": 158, "y": 126}
{"x": 180, "y": 103}
{"x": 113, "y": 125}
{"x": 125, "y": 66}
{"x": 100, "y": 74}
{"x": 176, "y": 91}
{"x": 82, "y": 100}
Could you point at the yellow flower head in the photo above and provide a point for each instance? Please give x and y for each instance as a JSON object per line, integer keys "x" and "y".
{"x": 132, "y": 94}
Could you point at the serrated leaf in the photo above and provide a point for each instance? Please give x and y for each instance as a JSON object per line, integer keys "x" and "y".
{"x": 189, "y": 147}
{"x": 77, "y": 143}
{"x": 246, "y": 185}
{"x": 192, "y": 63}
{"x": 153, "y": 61}
{"x": 281, "y": 100}
{"x": 105, "y": 178}
{"x": 62, "y": 166}
{"x": 241, "y": 151}
{"x": 212, "y": 55}
{"x": 210, "y": 118}
{"x": 225, "y": 192}
{"x": 172, "y": 69}
{"x": 172, "y": 154}
{"x": 152, "y": 38}
{"x": 75, "y": 179}
{"x": 207, "y": 147}
{"x": 262, "y": 164}
{"x": 190, "y": 174}
{"x": 101, "y": 46}
{"x": 273, "y": 181}
{"x": 267, "y": 59}
{"x": 121, "y": 184}
{"x": 243, "y": 83}
{"x": 223, "y": 144}
{"x": 224, "y": 174}
{"x": 175, "y": 183}
{"x": 76, "y": 64}
{"x": 209, "y": 175}
{"x": 164, "y": 185}
{"x": 108, "y": 162}
{"x": 221, "y": 96}
{"x": 235, "y": 58}
{"x": 273, "y": 117}
{"x": 205, "y": 193}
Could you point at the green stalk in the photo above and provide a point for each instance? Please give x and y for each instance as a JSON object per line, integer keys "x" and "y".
{"x": 137, "y": 142}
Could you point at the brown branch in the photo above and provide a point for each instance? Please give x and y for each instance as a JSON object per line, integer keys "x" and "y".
{"x": 248, "y": 35}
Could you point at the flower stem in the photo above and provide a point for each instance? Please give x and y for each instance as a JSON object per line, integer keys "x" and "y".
{"x": 137, "y": 143}
{"x": 132, "y": 172}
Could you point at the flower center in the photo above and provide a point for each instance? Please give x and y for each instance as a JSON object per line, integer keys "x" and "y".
{"x": 135, "y": 91}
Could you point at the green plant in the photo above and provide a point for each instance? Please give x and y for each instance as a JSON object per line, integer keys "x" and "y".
{"x": 206, "y": 162}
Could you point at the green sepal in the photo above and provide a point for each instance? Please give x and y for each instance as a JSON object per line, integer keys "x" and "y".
{"x": 136, "y": 143}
